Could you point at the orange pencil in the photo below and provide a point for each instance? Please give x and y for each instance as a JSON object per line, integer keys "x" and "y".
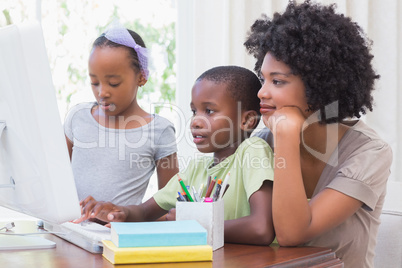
{"x": 217, "y": 189}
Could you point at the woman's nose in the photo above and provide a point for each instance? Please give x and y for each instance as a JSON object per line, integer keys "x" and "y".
{"x": 264, "y": 92}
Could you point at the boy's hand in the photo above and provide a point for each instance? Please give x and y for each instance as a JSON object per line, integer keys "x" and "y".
{"x": 171, "y": 215}
{"x": 104, "y": 211}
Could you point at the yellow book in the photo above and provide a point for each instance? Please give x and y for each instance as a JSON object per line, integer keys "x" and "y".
{"x": 118, "y": 255}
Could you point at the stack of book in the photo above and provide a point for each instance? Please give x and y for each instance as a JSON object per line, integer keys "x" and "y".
{"x": 157, "y": 242}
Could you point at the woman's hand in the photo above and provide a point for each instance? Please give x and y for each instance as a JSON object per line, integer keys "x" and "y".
{"x": 104, "y": 211}
{"x": 288, "y": 118}
{"x": 286, "y": 122}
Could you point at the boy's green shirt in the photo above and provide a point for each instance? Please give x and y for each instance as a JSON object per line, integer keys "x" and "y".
{"x": 249, "y": 167}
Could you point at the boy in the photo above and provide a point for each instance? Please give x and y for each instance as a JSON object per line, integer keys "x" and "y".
{"x": 225, "y": 112}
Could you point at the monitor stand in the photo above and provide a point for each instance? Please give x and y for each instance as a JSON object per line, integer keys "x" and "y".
{"x": 23, "y": 235}
{"x": 24, "y": 242}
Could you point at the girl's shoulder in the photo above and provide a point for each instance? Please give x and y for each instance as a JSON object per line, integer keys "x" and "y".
{"x": 82, "y": 106}
{"x": 161, "y": 122}
{"x": 80, "y": 109}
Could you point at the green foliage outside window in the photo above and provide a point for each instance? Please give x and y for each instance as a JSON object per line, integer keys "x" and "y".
{"x": 160, "y": 86}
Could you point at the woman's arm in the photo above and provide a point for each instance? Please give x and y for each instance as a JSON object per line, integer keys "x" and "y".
{"x": 166, "y": 168}
{"x": 296, "y": 220}
{"x": 257, "y": 228}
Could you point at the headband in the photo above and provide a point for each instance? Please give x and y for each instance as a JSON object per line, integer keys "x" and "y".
{"x": 117, "y": 33}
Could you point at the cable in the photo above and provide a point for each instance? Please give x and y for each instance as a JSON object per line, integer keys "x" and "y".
{"x": 8, "y": 226}
{"x": 11, "y": 225}
{"x": 23, "y": 234}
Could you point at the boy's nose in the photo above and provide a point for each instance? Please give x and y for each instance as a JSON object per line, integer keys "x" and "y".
{"x": 197, "y": 122}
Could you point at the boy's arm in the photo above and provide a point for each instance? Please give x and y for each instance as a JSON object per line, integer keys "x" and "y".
{"x": 257, "y": 228}
{"x": 166, "y": 168}
{"x": 107, "y": 212}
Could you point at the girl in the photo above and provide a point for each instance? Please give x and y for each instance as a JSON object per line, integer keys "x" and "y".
{"x": 114, "y": 144}
{"x": 330, "y": 172}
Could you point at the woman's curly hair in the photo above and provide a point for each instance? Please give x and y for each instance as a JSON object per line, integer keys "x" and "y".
{"x": 329, "y": 52}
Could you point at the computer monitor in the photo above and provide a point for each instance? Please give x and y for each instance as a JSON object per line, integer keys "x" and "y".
{"x": 35, "y": 171}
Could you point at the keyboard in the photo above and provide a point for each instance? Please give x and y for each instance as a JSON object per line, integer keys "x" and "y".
{"x": 87, "y": 235}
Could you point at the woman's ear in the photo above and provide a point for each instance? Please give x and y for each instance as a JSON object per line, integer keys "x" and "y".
{"x": 249, "y": 120}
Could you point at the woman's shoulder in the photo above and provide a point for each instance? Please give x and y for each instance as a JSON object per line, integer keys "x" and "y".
{"x": 362, "y": 150}
{"x": 265, "y": 134}
{"x": 363, "y": 137}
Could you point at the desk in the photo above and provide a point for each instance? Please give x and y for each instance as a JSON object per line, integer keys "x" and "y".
{"x": 67, "y": 255}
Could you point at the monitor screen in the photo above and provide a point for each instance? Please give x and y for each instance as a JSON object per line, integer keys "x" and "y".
{"x": 35, "y": 170}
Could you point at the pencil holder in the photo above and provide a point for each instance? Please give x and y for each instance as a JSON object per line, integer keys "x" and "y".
{"x": 209, "y": 215}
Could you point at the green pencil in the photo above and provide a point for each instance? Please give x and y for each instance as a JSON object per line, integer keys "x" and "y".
{"x": 185, "y": 189}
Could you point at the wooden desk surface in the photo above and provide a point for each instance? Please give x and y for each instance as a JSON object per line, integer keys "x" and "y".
{"x": 231, "y": 255}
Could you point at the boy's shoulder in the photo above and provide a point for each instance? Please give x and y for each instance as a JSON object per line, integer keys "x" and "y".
{"x": 253, "y": 143}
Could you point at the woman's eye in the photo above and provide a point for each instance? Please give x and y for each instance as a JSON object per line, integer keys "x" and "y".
{"x": 95, "y": 84}
{"x": 277, "y": 82}
{"x": 114, "y": 85}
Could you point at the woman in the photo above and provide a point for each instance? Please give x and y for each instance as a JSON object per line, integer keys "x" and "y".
{"x": 330, "y": 172}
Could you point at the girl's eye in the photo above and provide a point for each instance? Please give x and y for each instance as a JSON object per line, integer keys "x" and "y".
{"x": 209, "y": 111}
{"x": 193, "y": 111}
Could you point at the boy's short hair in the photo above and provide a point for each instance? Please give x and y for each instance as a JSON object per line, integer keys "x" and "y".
{"x": 242, "y": 84}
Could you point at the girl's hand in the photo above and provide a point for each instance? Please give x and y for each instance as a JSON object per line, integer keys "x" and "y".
{"x": 104, "y": 211}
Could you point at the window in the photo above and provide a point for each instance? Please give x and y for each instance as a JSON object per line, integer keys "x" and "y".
{"x": 70, "y": 27}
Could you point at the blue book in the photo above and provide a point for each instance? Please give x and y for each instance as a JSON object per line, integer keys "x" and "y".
{"x": 158, "y": 233}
